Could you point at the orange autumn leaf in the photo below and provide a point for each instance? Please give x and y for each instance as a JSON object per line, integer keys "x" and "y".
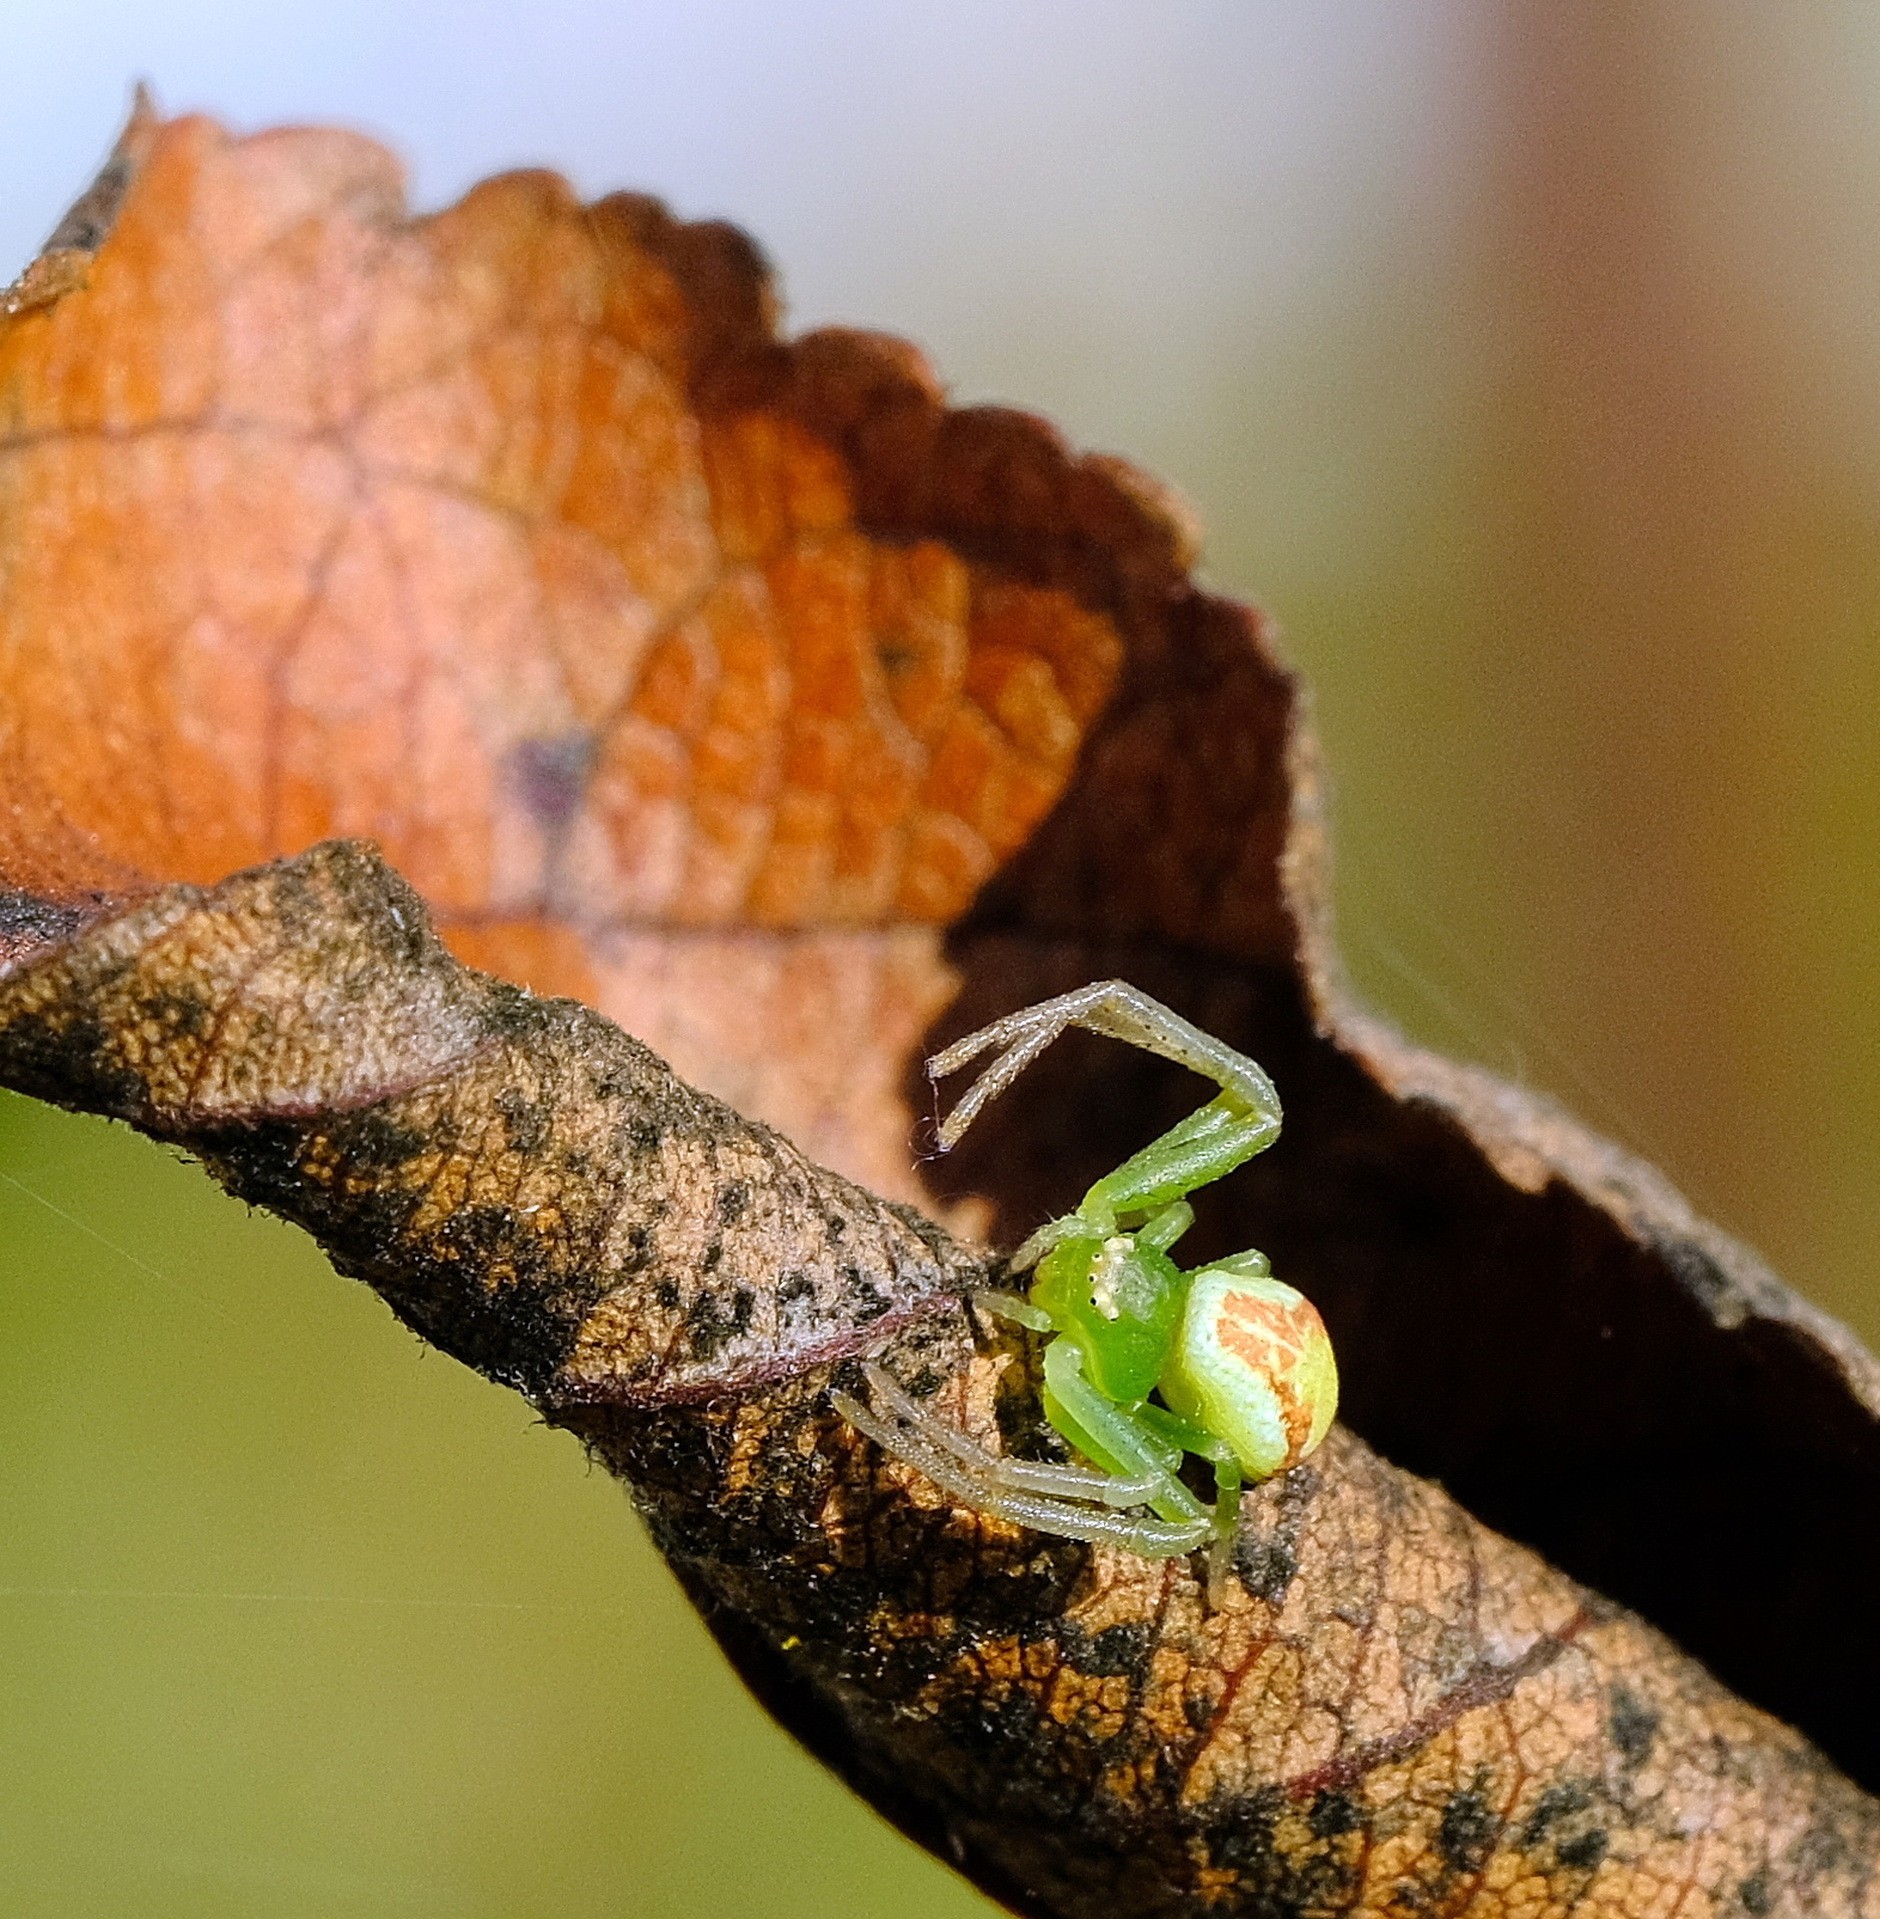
{"x": 523, "y": 569}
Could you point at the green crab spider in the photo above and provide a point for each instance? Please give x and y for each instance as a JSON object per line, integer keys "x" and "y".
{"x": 1143, "y": 1363}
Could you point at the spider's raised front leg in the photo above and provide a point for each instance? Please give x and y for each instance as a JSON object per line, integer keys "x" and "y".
{"x": 1240, "y": 1121}
{"x": 1117, "y": 1009}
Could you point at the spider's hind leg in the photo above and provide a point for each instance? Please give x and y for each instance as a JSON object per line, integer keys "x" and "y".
{"x": 1072, "y": 1502}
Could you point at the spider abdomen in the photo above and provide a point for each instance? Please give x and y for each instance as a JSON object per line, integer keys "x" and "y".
{"x": 1253, "y": 1363}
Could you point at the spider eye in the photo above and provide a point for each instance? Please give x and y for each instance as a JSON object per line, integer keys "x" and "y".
{"x": 1122, "y": 1282}
{"x": 1254, "y": 1362}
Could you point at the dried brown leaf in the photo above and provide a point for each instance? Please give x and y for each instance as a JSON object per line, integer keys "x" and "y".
{"x": 1387, "y": 1705}
{"x": 743, "y": 690}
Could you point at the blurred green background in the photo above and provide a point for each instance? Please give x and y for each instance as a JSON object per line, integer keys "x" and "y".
{"x": 1524, "y": 359}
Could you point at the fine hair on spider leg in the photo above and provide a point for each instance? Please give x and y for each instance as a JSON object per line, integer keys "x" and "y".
{"x": 992, "y": 1082}
{"x": 1025, "y": 1493}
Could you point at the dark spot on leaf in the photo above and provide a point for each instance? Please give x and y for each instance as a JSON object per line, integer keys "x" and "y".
{"x": 1276, "y": 1878}
{"x": 1555, "y": 1804}
{"x": 178, "y": 1012}
{"x": 518, "y": 1326}
{"x": 1002, "y": 1730}
{"x": 374, "y": 1142}
{"x": 1333, "y": 1813}
{"x": 1583, "y": 1851}
{"x": 1266, "y": 1566}
{"x": 74, "y": 1060}
{"x": 1634, "y": 1727}
{"x": 706, "y": 1327}
{"x": 1118, "y": 1652}
{"x": 1266, "y": 1561}
{"x": 1468, "y": 1830}
{"x": 869, "y": 1302}
{"x": 527, "y": 1120}
{"x": 550, "y": 776}
{"x": 1821, "y": 1849}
